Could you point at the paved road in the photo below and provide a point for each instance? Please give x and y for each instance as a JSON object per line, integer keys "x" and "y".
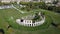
{"x": 6, "y": 6}
{"x": 10, "y": 6}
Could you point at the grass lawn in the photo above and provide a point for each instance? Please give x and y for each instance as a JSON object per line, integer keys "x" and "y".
{"x": 9, "y": 16}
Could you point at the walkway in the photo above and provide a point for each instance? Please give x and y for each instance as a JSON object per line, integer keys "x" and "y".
{"x": 17, "y": 9}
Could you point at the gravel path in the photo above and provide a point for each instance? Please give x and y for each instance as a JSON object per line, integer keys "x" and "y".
{"x": 17, "y": 9}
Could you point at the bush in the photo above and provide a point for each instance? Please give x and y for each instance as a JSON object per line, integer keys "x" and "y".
{"x": 24, "y": 3}
{"x": 57, "y": 9}
{"x": 37, "y": 17}
{"x": 50, "y": 7}
{"x": 54, "y": 8}
{"x": 4, "y": 3}
{"x": 0, "y": 3}
{"x": 55, "y": 2}
{"x": 14, "y": 3}
{"x": 22, "y": 8}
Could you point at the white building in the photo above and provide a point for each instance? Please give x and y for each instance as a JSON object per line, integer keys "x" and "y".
{"x": 18, "y": 1}
{"x": 46, "y": 1}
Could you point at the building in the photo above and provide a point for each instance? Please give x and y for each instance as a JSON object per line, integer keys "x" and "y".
{"x": 18, "y": 0}
{"x": 25, "y": 0}
{"x": 46, "y": 1}
{"x": 8, "y": 1}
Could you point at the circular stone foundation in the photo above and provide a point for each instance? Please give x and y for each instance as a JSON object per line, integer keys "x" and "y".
{"x": 29, "y": 22}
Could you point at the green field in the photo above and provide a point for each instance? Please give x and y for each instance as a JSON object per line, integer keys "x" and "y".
{"x": 9, "y": 16}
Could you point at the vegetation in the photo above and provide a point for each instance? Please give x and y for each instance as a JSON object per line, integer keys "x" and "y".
{"x": 13, "y": 3}
{"x": 33, "y": 5}
{"x": 36, "y": 18}
{"x": 11, "y": 27}
{"x": 40, "y": 5}
{"x": 54, "y": 8}
{"x": 1, "y": 4}
{"x": 55, "y": 1}
{"x": 5, "y": 18}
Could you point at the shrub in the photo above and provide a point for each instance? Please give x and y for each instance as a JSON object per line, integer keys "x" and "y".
{"x": 57, "y": 9}
{"x": 50, "y": 7}
{"x": 55, "y": 2}
{"x": 0, "y": 3}
{"x": 24, "y": 3}
{"x": 5, "y": 3}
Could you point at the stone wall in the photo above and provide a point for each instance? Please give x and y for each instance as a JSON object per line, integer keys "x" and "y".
{"x": 30, "y": 23}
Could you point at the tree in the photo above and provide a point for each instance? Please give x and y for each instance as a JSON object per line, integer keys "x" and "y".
{"x": 42, "y": 5}
{"x": 55, "y": 1}
{"x": 37, "y": 17}
{"x": 57, "y": 9}
{"x": 0, "y": 3}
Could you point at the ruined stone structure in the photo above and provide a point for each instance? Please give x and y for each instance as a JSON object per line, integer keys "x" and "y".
{"x": 27, "y": 21}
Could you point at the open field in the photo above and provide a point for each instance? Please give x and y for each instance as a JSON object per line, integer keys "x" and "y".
{"x": 9, "y": 16}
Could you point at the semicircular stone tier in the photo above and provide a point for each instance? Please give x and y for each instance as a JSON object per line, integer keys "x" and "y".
{"x": 30, "y": 23}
